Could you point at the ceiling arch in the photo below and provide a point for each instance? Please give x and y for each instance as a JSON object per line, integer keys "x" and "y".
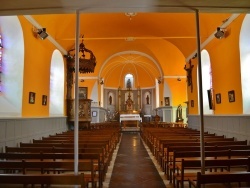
{"x": 140, "y": 64}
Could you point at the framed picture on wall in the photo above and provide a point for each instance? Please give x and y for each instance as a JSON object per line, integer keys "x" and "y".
{"x": 32, "y": 97}
{"x": 94, "y": 113}
{"x": 218, "y": 98}
{"x": 83, "y": 92}
{"x": 167, "y": 101}
{"x": 44, "y": 100}
{"x": 192, "y": 103}
{"x": 231, "y": 96}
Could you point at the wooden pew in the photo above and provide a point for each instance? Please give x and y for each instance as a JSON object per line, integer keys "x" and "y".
{"x": 167, "y": 147}
{"x": 168, "y": 160}
{"x": 178, "y": 156}
{"x": 48, "y": 179}
{"x": 97, "y": 158}
{"x": 29, "y": 166}
{"x": 161, "y": 156}
{"x": 159, "y": 146}
{"x": 111, "y": 142}
{"x": 69, "y": 145}
{"x": 219, "y": 178}
{"x": 149, "y": 135}
{"x": 181, "y": 175}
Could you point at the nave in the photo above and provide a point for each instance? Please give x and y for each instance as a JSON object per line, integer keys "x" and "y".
{"x": 133, "y": 166}
{"x": 128, "y": 159}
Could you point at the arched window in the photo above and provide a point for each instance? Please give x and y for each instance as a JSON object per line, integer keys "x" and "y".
{"x": 56, "y": 84}
{"x": 1, "y": 55}
{"x": 244, "y": 62}
{"x": 129, "y": 81}
{"x": 206, "y": 81}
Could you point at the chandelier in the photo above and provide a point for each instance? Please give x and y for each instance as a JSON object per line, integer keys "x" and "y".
{"x": 87, "y": 59}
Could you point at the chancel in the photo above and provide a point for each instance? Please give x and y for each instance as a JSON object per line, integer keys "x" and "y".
{"x": 130, "y": 117}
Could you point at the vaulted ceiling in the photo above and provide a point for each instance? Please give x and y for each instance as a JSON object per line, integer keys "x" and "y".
{"x": 126, "y": 41}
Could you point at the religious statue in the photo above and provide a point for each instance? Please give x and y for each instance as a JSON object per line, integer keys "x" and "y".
{"x": 129, "y": 103}
{"x": 189, "y": 74}
{"x": 129, "y": 84}
{"x": 147, "y": 99}
{"x": 179, "y": 114}
{"x": 110, "y": 99}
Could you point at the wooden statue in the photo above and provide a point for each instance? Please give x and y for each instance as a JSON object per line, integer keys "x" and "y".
{"x": 189, "y": 74}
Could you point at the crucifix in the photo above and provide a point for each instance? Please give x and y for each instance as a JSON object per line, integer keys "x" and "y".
{"x": 189, "y": 74}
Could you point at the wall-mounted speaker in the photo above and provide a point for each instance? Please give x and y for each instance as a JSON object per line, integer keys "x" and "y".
{"x": 220, "y": 33}
{"x": 42, "y": 33}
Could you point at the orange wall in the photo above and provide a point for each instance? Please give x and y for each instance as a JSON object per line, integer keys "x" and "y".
{"x": 178, "y": 91}
{"x": 225, "y": 64}
{"x": 36, "y": 71}
{"x": 224, "y": 55}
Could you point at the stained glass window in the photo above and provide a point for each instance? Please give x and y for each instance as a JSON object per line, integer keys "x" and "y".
{"x": 1, "y": 55}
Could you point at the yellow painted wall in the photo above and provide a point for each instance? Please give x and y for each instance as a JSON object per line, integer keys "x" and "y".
{"x": 36, "y": 79}
{"x": 178, "y": 91}
{"x": 89, "y": 83}
{"x": 225, "y": 59}
{"x": 224, "y": 56}
{"x": 225, "y": 63}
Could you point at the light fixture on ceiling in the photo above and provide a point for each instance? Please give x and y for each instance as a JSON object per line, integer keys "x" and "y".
{"x": 220, "y": 33}
{"x": 41, "y": 33}
{"x": 130, "y": 14}
{"x": 129, "y": 39}
{"x": 101, "y": 81}
{"x": 159, "y": 80}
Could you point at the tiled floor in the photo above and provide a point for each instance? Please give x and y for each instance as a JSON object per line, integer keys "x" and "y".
{"x": 133, "y": 166}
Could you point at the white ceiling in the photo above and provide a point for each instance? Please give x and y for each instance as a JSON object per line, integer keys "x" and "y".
{"x": 23, "y": 7}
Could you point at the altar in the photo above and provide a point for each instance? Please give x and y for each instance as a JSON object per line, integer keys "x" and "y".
{"x": 130, "y": 118}
{"x": 130, "y": 122}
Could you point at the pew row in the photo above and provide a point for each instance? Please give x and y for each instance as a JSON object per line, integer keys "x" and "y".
{"x": 46, "y": 167}
{"x": 97, "y": 159}
{"x": 220, "y": 178}
{"x": 186, "y": 169}
{"x": 47, "y": 179}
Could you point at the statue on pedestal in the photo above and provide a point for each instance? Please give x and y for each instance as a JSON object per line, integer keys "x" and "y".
{"x": 179, "y": 114}
{"x": 110, "y": 99}
{"x": 147, "y": 99}
{"x": 129, "y": 103}
{"x": 129, "y": 84}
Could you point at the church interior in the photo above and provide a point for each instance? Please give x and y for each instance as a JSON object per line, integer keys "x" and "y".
{"x": 129, "y": 69}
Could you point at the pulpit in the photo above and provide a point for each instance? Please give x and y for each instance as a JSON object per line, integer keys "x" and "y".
{"x": 84, "y": 112}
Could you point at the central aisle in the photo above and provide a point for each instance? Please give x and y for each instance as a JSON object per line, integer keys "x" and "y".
{"x": 133, "y": 167}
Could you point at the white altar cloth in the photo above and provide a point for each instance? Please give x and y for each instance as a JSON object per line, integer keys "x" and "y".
{"x": 130, "y": 117}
